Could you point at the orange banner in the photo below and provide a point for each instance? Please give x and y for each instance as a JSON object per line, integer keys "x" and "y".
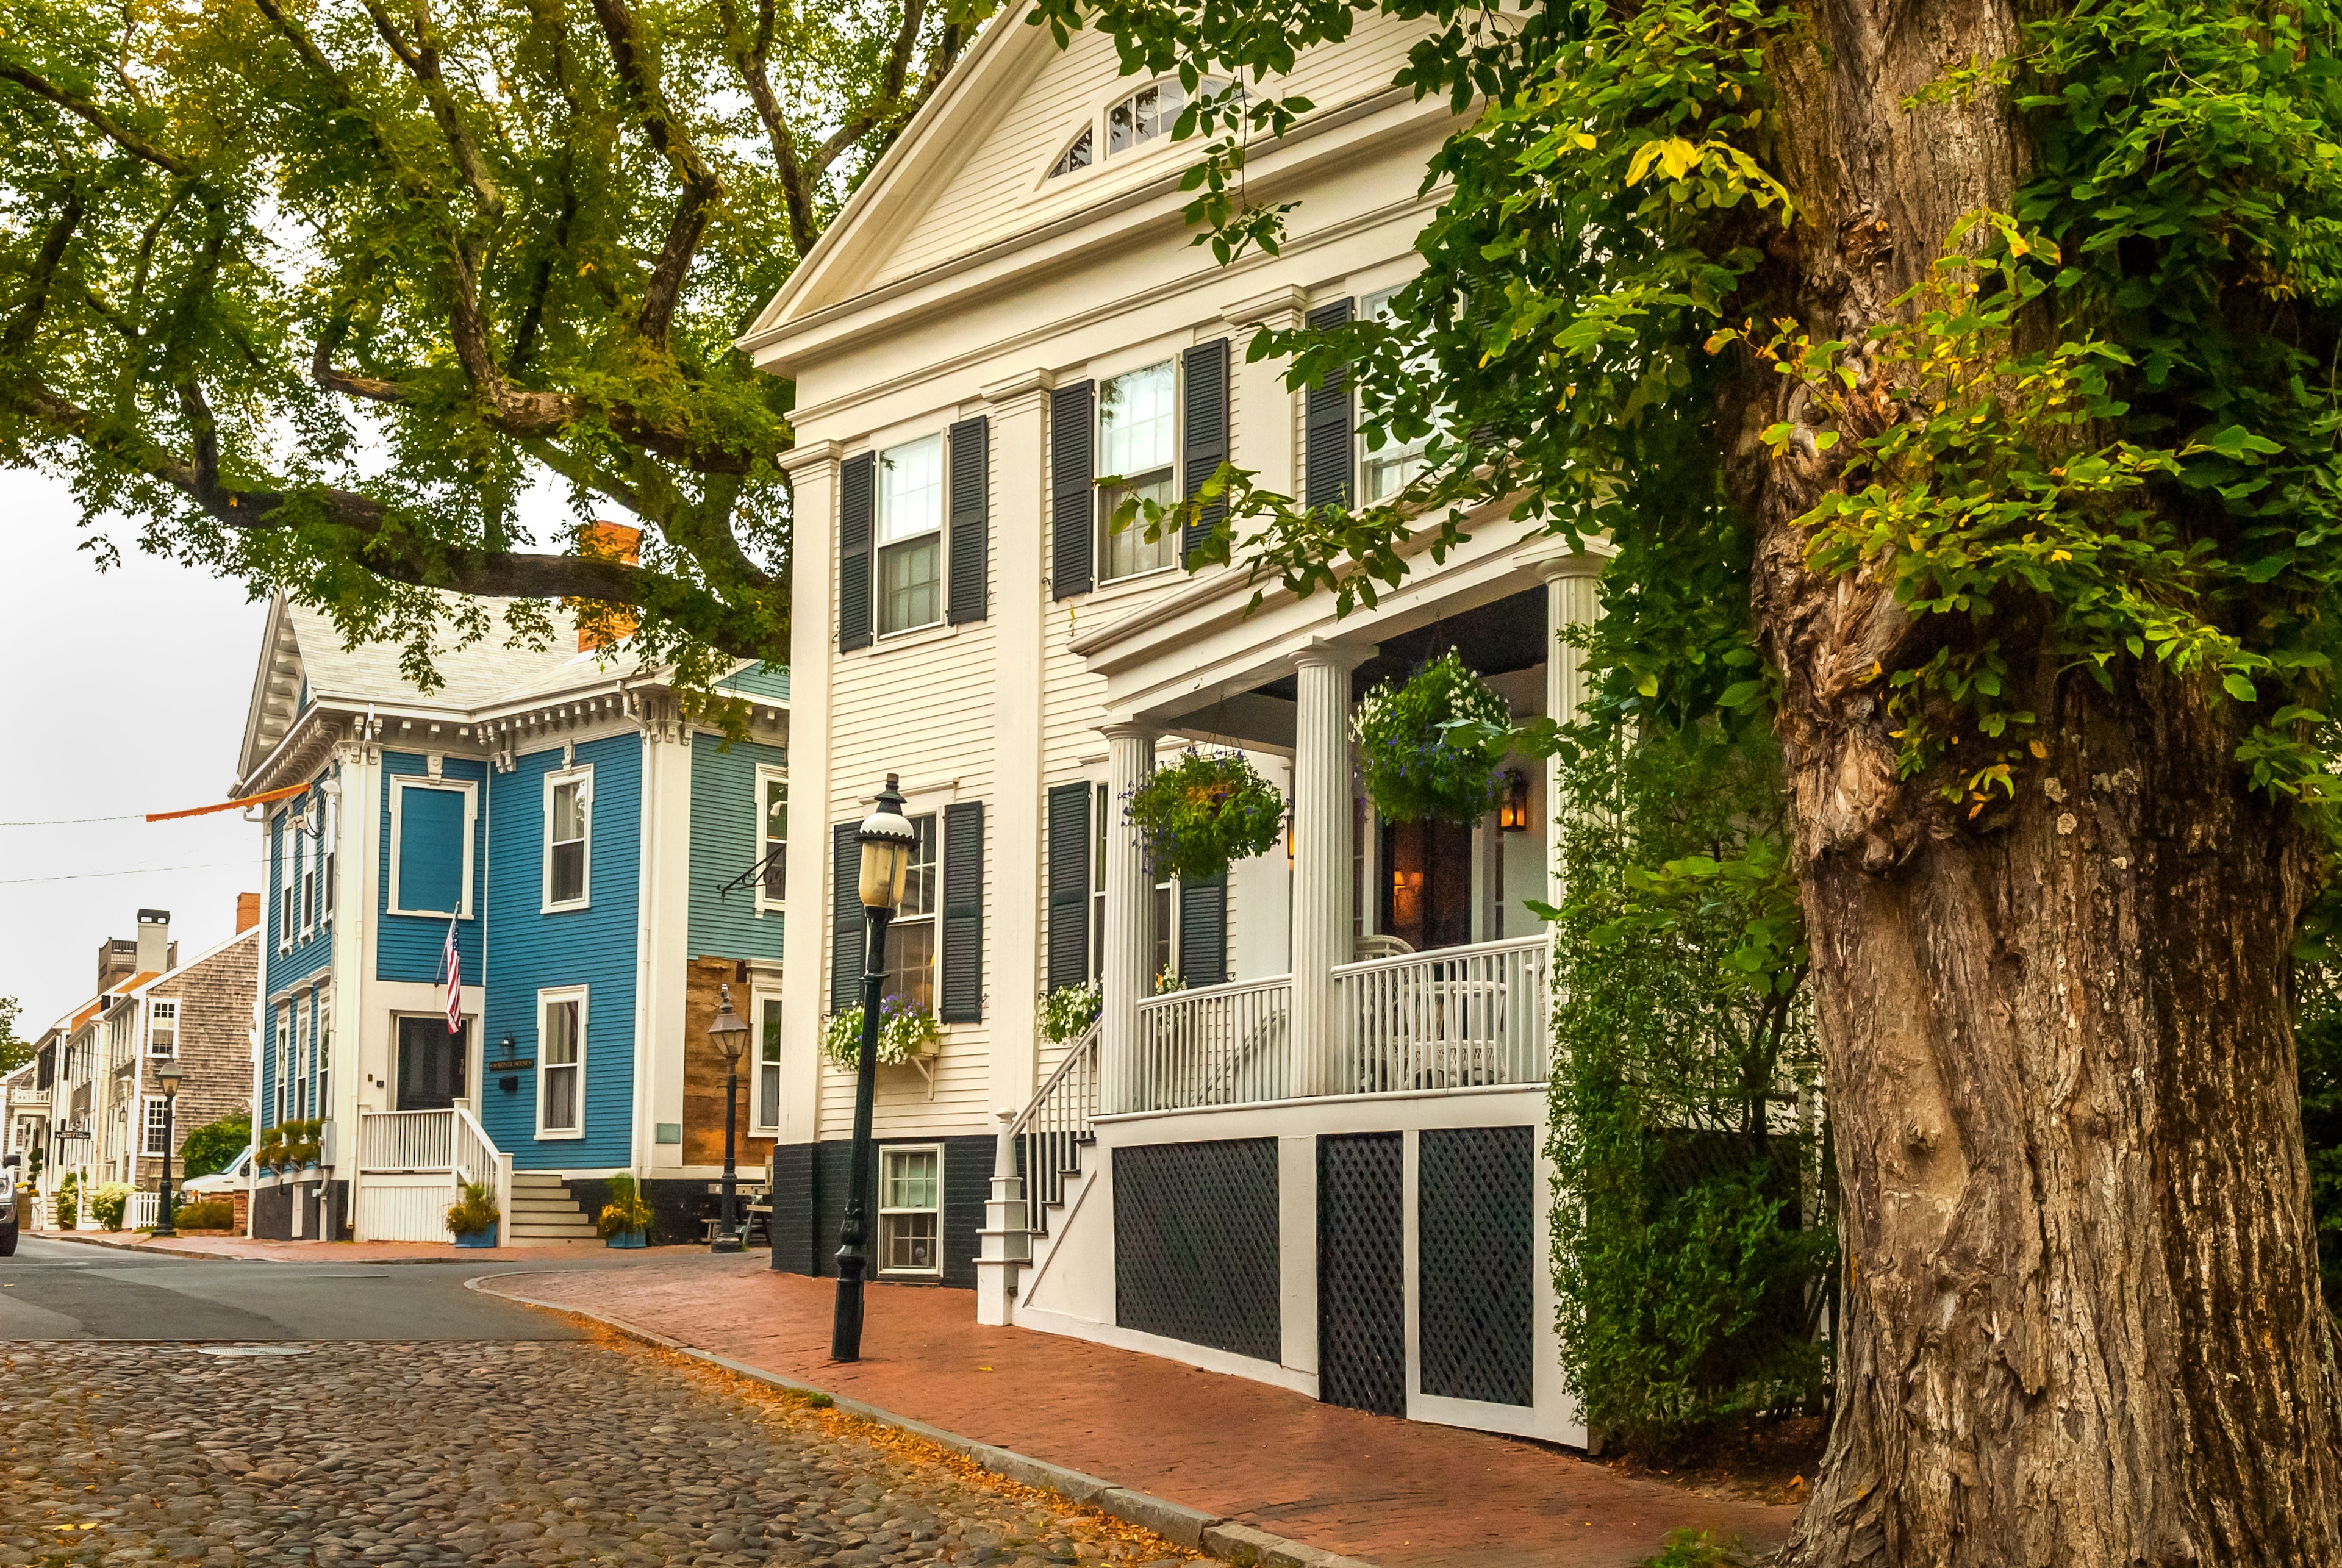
{"x": 228, "y": 805}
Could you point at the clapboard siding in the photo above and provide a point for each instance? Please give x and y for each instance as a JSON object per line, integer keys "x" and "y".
{"x": 408, "y": 947}
{"x": 594, "y": 947}
{"x": 999, "y": 190}
{"x": 770, "y": 682}
{"x": 727, "y": 837}
{"x": 288, "y": 969}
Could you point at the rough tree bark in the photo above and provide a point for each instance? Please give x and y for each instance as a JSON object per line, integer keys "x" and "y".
{"x": 2083, "y": 1320}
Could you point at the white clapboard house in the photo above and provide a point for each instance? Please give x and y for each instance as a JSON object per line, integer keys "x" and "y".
{"x": 1321, "y": 1163}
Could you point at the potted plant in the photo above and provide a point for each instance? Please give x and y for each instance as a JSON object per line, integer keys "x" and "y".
{"x": 474, "y": 1215}
{"x": 1203, "y": 813}
{"x": 269, "y": 1152}
{"x": 1429, "y": 747}
{"x": 625, "y": 1219}
{"x": 903, "y": 1032}
{"x": 1067, "y": 1012}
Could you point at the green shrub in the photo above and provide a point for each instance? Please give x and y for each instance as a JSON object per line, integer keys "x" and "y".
{"x": 68, "y": 1201}
{"x": 475, "y": 1212}
{"x": 108, "y": 1203}
{"x": 1695, "y": 1249}
{"x": 210, "y": 1214}
{"x": 210, "y": 1147}
{"x": 1700, "y": 1549}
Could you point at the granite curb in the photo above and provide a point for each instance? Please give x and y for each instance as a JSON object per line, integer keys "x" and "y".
{"x": 1240, "y": 1545}
{"x": 206, "y": 1254}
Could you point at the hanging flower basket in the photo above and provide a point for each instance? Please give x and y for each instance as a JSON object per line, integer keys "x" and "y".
{"x": 1205, "y": 813}
{"x": 1415, "y": 760}
{"x": 903, "y": 1032}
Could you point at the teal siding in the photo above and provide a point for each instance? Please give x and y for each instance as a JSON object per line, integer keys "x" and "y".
{"x": 406, "y": 946}
{"x": 726, "y": 839}
{"x": 594, "y": 947}
{"x": 307, "y": 957}
{"x": 770, "y": 682}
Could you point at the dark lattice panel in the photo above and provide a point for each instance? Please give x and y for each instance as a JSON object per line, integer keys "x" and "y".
{"x": 1362, "y": 1272}
{"x": 1195, "y": 1243}
{"x": 1476, "y": 1207}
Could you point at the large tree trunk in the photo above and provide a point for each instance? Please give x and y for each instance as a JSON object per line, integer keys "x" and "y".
{"x": 2083, "y": 1319}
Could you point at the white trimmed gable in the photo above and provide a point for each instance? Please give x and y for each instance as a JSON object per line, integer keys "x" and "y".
{"x": 971, "y": 172}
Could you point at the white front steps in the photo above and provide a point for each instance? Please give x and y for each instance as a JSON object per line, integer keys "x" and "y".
{"x": 544, "y": 1213}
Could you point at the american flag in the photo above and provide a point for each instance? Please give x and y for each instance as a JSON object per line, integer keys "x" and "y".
{"x": 453, "y": 960}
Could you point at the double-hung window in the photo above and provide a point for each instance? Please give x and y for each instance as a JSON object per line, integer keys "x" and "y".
{"x": 772, "y": 845}
{"x": 911, "y": 534}
{"x": 325, "y": 1020}
{"x": 1137, "y": 445}
{"x": 311, "y": 839}
{"x": 1390, "y": 468}
{"x": 433, "y": 829}
{"x": 287, "y": 910}
{"x": 910, "y": 1212}
{"x": 157, "y": 1139}
{"x": 327, "y": 848}
{"x": 303, "y": 1041}
{"x": 568, "y": 809}
{"x": 162, "y": 1028}
{"x": 911, "y": 937}
{"x": 1097, "y": 883}
{"x": 560, "y": 1064}
{"x": 768, "y": 1115}
{"x": 279, "y": 1106}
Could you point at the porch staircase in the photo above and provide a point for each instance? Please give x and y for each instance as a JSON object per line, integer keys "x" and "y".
{"x": 1037, "y": 1158}
{"x": 544, "y": 1213}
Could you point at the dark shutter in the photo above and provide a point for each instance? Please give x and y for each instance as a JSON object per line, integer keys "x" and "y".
{"x": 970, "y": 514}
{"x": 846, "y": 932}
{"x": 1069, "y": 884}
{"x": 1206, "y": 437}
{"x": 1204, "y": 930}
{"x": 854, "y": 484}
{"x": 962, "y": 960}
{"x": 1330, "y": 455}
{"x": 1071, "y": 474}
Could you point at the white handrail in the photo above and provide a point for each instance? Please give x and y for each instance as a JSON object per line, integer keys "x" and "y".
{"x": 1215, "y": 1045}
{"x": 1053, "y": 1123}
{"x": 1449, "y": 1018}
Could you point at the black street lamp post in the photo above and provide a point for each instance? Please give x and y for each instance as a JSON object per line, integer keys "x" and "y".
{"x": 730, "y": 1035}
{"x": 166, "y": 1075}
{"x": 888, "y": 838}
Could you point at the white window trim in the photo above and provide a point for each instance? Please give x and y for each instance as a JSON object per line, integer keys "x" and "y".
{"x": 582, "y": 773}
{"x": 329, "y": 844}
{"x": 940, "y": 534}
{"x": 550, "y": 994}
{"x": 1102, "y": 522}
{"x": 766, "y": 773}
{"x": 155, "y": 1015}
{"x": 146, "y": 1113}
{"x": 470, "y": 792}
{"x": 878, "y": 1231}
{"x": 285, "y": 888}
{"x": 284, "y": 1063}
{"x": 1392, "y": 451}
{"x": 758, "y": 998}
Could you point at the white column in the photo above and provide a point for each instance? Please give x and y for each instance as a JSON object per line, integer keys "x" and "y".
{"x": 1571, "y": 599}
{"x": 1013, "y": 819}
{"x": 1124, "y": 971}
{"x": 813, "y": 652}
{"x": 1321, "y": 857}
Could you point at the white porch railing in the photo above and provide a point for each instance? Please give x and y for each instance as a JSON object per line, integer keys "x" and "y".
{"x": 1047, "y": 1135}
{"x": 1450, "y": 1018}
{"x": 1217, "y": 1045}
{"x": 411, "y": 1167}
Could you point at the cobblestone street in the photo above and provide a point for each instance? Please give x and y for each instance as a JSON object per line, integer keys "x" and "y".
{"x": 484, "y": 1451}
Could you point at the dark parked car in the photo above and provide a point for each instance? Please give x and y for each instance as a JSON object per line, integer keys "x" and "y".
{"x": 8, "y": 1204}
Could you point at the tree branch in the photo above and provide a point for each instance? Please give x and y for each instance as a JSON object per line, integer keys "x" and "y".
{"x": 43, "y": 277}
{"x": 83, "y": 108}
{"x": 749, "y": 59}
{"x": 422, "y": 61}
{"x": 702, "y": 186}
{"x": 886, "y": 103}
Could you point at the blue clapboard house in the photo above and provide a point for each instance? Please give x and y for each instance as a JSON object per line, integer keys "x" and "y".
{"x": 598, "y": 869}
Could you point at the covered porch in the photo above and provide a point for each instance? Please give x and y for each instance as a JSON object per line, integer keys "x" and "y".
{"x": 1410, "y": 962}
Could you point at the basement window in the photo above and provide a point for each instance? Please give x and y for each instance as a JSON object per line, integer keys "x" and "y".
{"x": 910, "y": 1211}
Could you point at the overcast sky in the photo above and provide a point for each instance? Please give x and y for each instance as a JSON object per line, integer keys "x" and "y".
{"x": 126, "y": 694}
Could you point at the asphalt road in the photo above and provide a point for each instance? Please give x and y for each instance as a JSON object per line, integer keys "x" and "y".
{"x": 68, "y": 1291}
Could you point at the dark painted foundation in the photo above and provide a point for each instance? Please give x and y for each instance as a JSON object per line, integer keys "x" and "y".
{"x": 808, "y": 1185}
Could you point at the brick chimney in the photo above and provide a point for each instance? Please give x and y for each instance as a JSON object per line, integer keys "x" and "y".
{"x": 601, "y": 624}
{"x": 247, "y": 912}
{"x": 153, "y": 941}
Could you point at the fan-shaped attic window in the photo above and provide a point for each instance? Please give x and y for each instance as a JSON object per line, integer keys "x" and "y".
{"x": 1076, "y": 155}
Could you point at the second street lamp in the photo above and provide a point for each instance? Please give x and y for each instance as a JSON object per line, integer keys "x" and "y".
{"x": 887, "y": 838}
{"x": 166, "y": 1076}
{"x": 730, "y": 1035}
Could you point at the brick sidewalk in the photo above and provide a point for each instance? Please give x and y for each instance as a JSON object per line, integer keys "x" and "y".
{"x": 1396, "y": 1492}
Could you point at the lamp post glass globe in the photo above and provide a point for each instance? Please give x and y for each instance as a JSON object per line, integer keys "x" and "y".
{"x": 166, "y": 1076}
{"x": 729, "y": 1034}
{"x": 888, "y": 838}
